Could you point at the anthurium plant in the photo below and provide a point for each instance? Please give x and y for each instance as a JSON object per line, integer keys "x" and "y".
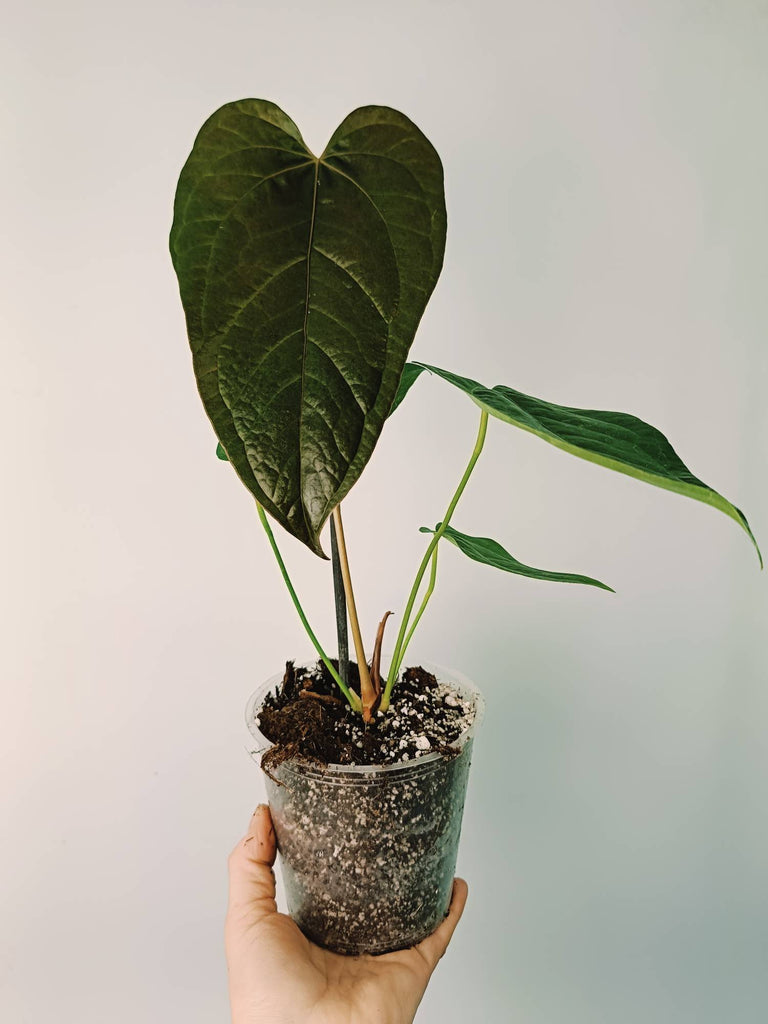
{"x": 303, "y": 281}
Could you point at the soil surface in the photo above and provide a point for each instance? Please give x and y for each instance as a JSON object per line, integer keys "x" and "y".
{"x": 308, "y": 718}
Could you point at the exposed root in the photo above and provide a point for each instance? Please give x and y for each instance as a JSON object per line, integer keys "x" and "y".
{"x": 289, "y": 677}
{"x": 327, "y": 698}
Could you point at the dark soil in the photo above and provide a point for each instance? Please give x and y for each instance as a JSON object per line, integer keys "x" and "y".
{"x": 308, "y": 718}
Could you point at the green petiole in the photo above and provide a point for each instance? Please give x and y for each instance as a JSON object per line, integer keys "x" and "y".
{"x": 352, "y": 699}
{"x": 402, "y": 641}
{"x": 420, "y": 612}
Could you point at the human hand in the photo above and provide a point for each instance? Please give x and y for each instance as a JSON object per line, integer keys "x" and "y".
{"x": 277, "y": 976}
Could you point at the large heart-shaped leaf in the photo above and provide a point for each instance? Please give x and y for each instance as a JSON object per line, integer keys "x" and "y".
{"x": 490, "y": 552}
{"x": 613, "y": 439}
{"x": 303, "y": 280}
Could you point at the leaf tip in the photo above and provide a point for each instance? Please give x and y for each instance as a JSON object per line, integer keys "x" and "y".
{"x": 316, "y": 547}
{"x": 741, "y": 519}
{"x": 759, "y": 554}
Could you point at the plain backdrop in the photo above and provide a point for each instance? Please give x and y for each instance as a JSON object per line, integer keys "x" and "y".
{"x": 606, "y": 166}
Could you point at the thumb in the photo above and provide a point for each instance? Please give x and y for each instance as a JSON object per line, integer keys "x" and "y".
{"x": 251, "y": 879}
{"x": 434, "y": 946}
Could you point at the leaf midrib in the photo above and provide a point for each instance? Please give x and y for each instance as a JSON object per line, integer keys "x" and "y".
{"x": 305, "y": 334}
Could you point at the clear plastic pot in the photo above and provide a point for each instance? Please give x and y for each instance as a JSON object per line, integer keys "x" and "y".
{"x": 368, "y": 852}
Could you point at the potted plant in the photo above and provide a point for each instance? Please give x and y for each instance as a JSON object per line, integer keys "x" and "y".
{"x": 303, "y": 280}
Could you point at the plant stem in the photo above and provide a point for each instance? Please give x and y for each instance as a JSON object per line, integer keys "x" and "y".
{"x": 342, "y": 636}
{"x": 366, "y": 686}
{"x": 399, "y": 652}
{"x": 352, "y": 698}
{"x": 420, "y": 612}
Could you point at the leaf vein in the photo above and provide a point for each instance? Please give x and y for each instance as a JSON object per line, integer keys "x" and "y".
{"x": 265, "y": 284}
{"x": 369, "y": 295}
{"x": 228, "y": 214}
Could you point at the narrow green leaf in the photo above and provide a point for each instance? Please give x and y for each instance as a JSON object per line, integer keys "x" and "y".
{"x": 616, "y": 440}
{"x": 221, "y": 454}
{"x": 483, "y": 549}
{"x": 411, "y": 372}
{"x": 303, "y": 280}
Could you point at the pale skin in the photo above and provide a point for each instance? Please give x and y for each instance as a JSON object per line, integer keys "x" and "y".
{"x": 277, "y": 976}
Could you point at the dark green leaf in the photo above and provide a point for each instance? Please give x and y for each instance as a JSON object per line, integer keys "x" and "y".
{"x": 613, "y": 439}
{"x": 483, "y": 549}
{"x": 411, "y": 372}
{"x": 303, "y": 280}
{"x": 220, "y": 453}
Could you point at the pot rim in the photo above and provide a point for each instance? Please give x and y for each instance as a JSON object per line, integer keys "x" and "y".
{"x": 447, "y": 675}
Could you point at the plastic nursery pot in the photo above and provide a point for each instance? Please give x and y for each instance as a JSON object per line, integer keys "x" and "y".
{"x": 368, "y": 852}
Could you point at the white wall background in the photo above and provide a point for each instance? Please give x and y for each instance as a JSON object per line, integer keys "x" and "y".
{"x": 606, "y": 166}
